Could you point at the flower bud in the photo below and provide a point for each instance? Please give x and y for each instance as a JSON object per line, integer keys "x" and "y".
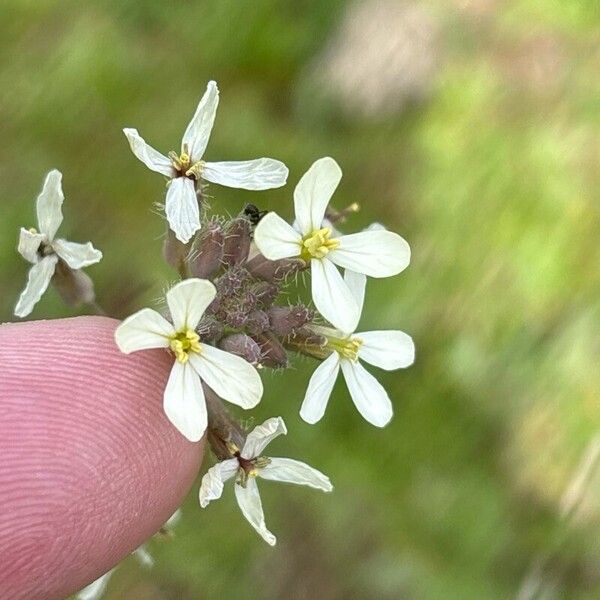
{"x": 242, "y": 345}
{"x": 274, "y": 270}
{"x": 174, "y": 251}
{"x": 208, "y": 251}
{"x": 265, "y": 293}
{"x": 238, "y": 236}
{"x": 74, "y": 286}
{"x": 273, "y": 354}
{"x": 257, "y": 322}
{"x": 285, "y": 320}
{"x": 209, "y": 328}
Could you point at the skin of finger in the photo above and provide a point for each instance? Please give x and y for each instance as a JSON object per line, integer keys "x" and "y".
{"x": 90, "y": 467}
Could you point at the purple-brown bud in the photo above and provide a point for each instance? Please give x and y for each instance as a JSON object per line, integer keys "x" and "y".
{"x": 285, "y": 320}
{"x": 209, "y": 328}
{"x": 273, "y": 354}
{"x": 207, "y": 255}
{"x": 257, "y": 322}
{"x": 274, "y": 270}
{"x": 74, "y": 286}
{"x": 175, "y": 252}
{"x": 242, "y": 345}
{"x": 238, "y": 236}
{"x": 265, "y": 293}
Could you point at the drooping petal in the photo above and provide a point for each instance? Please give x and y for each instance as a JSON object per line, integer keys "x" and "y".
{"x": 332, "y": 296}
{"x": 143, "y": 330}
{"x": 184, "y": 402}
{"x": 275, "y": 238}
{"x": 77, "y": 256}
{"x": 262, "y": 435}
{"x": 377, "y": 253}
{"x": 38, "y": 280}
{"x": 197, "y": 134}
{"x": 211, "y": 487}
{"x": 229, "y": 376}
{"x": 319, "y": 389}
{"x": 356, "y": 282}
{"x": 181, "y": 208}
{"x": 259, "y": 174}
{"x": 49, "y": 203}
{"x": 288, "y": 470}
{"x": 368, "y": 395}
{"x": 96, "y": 589}
{"x": 387, "y": 350}
{"x": 313, "y": 192}
{"x": 188, "y": 300}
{"x": 248, "y": 500}
{"x": 29, "y": 244}
{"x": 152, "y": 158}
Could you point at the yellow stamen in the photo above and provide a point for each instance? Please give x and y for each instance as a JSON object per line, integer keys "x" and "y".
{"x": 183, "y": 343}
{"x": 182, "y": 163}
{"x": 318, "y": 244}
{"x": 346, "y": 348}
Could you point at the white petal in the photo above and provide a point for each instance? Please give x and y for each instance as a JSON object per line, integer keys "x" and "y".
{"x": 143, "y": 556}
{"x": 184, "y": 402}
{"x": 229, "y": 376}
{"x": 77, "y": 256}
{"x": 356, "y": 282}
{"x": 29, "y": 244}
{"x": 143, "y": 330}
{"x": 38, "y": 280}
{"x": 319, "y": 389}
{"x": 367, "y": 393}
{"x": 49, "y": 203}
{"x": 332, "y": 296}
{"x": 288, "y": 470}
{"x": 313, "y": 192}
{"x": 211, "y": 487}
{"x": 275, "y": 238}
{"x": 197, "y": 134}
{"x": 262, "y": 435}
{"x": 387, "y": 350}
{"x": 249, "y": 502}
{"x": 152, "y": 158}
{"x": 258, "y": 174}
{"x": 181, "y": 208}
{"x": 188, "y": 300}
{"x": 96, "y": 589}
{"x": 375, "y": 253}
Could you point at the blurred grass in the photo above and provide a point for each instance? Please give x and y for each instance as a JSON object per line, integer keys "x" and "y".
{"x": 493, "y": 180}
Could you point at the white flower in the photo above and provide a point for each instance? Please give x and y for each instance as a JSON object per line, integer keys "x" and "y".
{"x": 248, "y": 464}
{"x": 229, "y": 376}
{"x": 181, "y": 205}
{"x": 377, "y": 253}
{"x": 388, "y": 350}
{"x": 43, "y": 251}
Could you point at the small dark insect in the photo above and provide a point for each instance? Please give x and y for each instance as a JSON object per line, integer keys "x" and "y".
{"x": 254, "y": 214}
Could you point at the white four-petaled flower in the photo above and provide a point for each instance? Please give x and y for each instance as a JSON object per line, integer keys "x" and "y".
{"x": 249, "y": 464}
{"x": 377, "y": 253}
{"x": 229, "y": 376}
{"x": 44, "y": 251}
{"x": 181, "y": 205}
{"x": 388, "y": 350}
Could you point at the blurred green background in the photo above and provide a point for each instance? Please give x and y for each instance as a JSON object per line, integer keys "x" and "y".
{"x": 471, "y": 127}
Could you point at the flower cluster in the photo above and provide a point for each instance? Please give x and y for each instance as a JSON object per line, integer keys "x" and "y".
{"x": 228, "y": 318}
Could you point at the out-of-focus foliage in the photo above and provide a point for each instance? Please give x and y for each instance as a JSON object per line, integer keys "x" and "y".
{"x": 491, "y": 173}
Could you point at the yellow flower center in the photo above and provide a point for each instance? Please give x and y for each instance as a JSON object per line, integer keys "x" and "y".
{"x": 183, "y": 164}
{"x": 184, "y": 343}
{"x": 318, "y": 244}
{"x": 346, "y": 348}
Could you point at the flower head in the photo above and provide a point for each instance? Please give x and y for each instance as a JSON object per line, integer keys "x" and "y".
{"x": 248, "y": 464}
{"x": 377, "y": 253}
{"x": 388, "y": 350}
{"x": 229, "y": 376}
{"x": 41, "y": 248}
{"x": 185, "y": 168}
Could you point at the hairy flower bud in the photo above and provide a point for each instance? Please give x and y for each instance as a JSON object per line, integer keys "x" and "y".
{"x": 242, "y": 345}
{"x": 285, "y": 320}
{"x": 257, "y": 322}
{"x": 207, "y": 255}
{"x": 273, "y": 354}
{"x": 265, "y": 293}
{"x": 238, "y": 236}
{"x": 74, "y": 286}
{"x": 209, "y": 328}
{"x": 274, "y": 270}
{"x": 174, "y": 251}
